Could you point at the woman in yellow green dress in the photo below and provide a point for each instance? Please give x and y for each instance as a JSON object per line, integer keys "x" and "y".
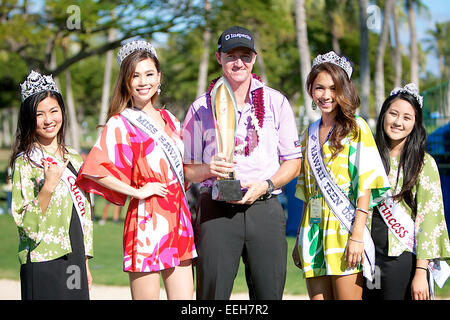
{"x": 329, "y": 251}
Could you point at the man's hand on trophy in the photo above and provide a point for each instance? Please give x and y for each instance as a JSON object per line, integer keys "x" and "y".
{"x": 220, "y": 167}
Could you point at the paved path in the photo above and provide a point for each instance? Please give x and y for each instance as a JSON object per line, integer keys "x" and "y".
{"x": 10, "y": 290}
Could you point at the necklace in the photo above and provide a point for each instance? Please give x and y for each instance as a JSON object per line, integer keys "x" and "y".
{"x": 52, "y": 153}
{"x": 256, "y": 119}
{"x": 329, "y": 133}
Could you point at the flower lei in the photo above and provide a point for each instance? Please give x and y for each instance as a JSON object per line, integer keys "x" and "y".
{"x": 256, "y": 117}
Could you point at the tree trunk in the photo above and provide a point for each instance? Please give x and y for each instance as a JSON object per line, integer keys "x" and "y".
{"x": 6, "y": 127}
{"x": 364, "y": 57}
{"x": 70, "y": 104}
{"x": 337, "y": 17}
{"x": 442, "y": 72}
{"x": 14, "y": 117}
{"x": 52, "y": 66}
{"x": 203, "y": 68}
{"x": 335, "y": 43}
{"x": 1, "y": 132}
{"x": 447, "y": 98}
{"x": 413, "y": 43}
{"x": 106, "y": 81}
{"x": 305, "y": 57}
{"x": 2, "y": 143}
{"x": 260, "y": 59}
{"x": 397, "y": 51}
{"x": 379, "y": 62}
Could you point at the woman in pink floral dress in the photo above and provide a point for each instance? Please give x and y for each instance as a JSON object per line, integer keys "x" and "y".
{"x": 127, "y": 161}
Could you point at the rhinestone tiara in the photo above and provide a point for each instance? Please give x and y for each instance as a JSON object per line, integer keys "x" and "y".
{"x": 36, "y": 83}
{"x": 132, "y": 46}
{"x": 333, "y": 58}
{"x": 411, "y": 89}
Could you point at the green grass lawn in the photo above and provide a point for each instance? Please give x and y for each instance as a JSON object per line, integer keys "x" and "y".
{"x": 106, "y": 266}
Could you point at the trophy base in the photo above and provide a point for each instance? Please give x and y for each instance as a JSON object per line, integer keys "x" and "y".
{"x": 226, "y": 190}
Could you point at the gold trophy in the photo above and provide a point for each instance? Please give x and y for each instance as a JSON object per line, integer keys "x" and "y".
{"x": 224, "y": 109}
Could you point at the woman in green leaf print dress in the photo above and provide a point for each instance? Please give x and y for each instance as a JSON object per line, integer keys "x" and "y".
{"x": 52, "y": 215}
{"x": 415, "y": 184}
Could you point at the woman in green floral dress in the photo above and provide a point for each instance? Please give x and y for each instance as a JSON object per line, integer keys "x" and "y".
{"x": 52, "y": 215}
{"x": 415, "y": 184}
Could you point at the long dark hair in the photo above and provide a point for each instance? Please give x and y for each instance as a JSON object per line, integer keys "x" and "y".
{"x": 413, "y": 153}
{"x": 26, "y": 124}
{"x": 347, "y": 99}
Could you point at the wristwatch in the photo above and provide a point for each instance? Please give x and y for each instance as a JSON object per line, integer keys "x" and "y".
{"x": 271, "y": 187}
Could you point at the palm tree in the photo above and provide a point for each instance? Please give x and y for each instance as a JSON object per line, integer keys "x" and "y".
{"x": 70, "y": 102}
{"x": 397, "y": 50}
{"x": 260, "y": 59}
{"x": 336, "y": 12}
{"x": 203, "y": 68}
{"x": 106, "y": 80}
{"x": 440, "y": 44}
{"x": 364, "y": 59}
{"x": 305, "y": 57}
{"x": 413, "y": 42}
{"x": 379, "y": 62}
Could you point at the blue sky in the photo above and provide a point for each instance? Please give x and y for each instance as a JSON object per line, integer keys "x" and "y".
{"x": 439, "y": 11}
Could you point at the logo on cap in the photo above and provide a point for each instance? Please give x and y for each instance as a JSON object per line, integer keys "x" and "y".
{"x": 235, "y": 37}
{"x": 238, "y": 35}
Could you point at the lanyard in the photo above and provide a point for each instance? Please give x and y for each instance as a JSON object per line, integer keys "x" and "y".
{"x": 329, "y": 133}
{"x": 326, "y": 139}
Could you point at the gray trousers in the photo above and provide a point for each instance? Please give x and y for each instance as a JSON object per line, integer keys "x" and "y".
{"x": 225, "y": 232}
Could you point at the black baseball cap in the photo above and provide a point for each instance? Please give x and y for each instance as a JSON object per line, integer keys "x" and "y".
{"x": 235, "y": 37}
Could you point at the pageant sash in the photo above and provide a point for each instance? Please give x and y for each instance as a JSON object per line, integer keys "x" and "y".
{"x": 78, "y": 198}
{"x": 143, "y": 122}
{"x": 337, "y": 201}
{"x": 399, "y": 222}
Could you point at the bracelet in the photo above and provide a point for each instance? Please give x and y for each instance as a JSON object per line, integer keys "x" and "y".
{"x": 356, "y": 240}
{"x": 362, "y": 210}
{"x": 422, "y": 268}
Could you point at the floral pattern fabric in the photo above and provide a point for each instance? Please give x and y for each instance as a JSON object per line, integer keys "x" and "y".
{"x": 162, "y": 236}
{"x": 356, "y": 168}
{"x": 431, "y": 234}
{"x": 45, "y": 235}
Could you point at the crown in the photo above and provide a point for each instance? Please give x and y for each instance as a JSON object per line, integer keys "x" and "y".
{"x": 132, "y": 46}
{"x": 333, "y": 58}
{"x": 411, "y": 89}
{"x": 36, "y": 83}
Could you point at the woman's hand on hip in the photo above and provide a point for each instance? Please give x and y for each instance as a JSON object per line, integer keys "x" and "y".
{"x": 150, "y": 189}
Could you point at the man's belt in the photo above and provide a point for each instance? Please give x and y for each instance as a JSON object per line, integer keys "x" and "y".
{"x": 264, "y": 197}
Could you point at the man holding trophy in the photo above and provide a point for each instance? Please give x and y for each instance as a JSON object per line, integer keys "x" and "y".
{"x": 241, "y": 144}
